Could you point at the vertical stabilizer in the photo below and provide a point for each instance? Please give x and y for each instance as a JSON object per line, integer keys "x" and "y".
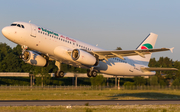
{"x": 147, "y": 43}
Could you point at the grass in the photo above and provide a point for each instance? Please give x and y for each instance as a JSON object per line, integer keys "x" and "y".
{"x": 88, "y": 94}
{"x": 44, "y": 94}
{"x": 104, "y": 108}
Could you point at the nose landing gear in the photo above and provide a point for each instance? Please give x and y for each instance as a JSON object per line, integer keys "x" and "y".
{"x": 22, "y": 56}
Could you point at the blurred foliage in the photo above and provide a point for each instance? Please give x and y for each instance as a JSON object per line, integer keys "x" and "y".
{"x": 128, "y": 83}
{"x": 118, "y": 48}
{"x": 99, "y": 80}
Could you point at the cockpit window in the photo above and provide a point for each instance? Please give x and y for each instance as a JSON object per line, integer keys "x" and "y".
{"x": 13, "y": 24}
{"x": 21, "y": 26}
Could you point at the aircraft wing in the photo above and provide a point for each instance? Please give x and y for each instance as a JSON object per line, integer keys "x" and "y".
{"x": 122, "y": 53}
{"x": 158, "y": 69}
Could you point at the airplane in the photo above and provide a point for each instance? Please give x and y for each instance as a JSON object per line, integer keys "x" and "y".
{"x": 49, "y": 45}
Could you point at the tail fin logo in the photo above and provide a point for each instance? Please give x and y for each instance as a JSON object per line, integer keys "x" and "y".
{"x": 147, "y": 46}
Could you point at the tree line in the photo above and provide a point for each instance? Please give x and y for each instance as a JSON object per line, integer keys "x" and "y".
{"x": 10, "y": 62}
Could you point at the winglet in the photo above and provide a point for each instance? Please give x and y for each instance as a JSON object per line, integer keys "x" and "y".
{"x": 171, "y": 49}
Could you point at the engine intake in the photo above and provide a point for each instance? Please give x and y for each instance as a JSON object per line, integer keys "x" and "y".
{"x": 34, "y": 58}
{"x": 84, "y": 57}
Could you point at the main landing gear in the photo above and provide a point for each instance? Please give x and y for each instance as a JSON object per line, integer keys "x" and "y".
{"x": 91, "y": 72}
{"x": 59, "y": 73}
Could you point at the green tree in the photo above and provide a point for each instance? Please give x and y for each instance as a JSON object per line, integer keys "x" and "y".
{"x": 139, "y": 81}
{"x": 176, "y": 82}
{"x": 128, "y": 83}
{"x": 153, "y": 81}
{"x": 118, "y": 48}
{"x": 98, "y": 80}
{"x": 42, "y": 76}
{"x": 153, "y": 63}
{"x": 162, "y": 82}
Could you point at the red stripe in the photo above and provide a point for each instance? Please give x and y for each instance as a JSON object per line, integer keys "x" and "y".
{"x": 143, "y": 47}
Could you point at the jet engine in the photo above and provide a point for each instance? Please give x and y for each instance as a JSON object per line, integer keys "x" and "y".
{"x": 34, "y": 58}
{"x": 84, "y": 57}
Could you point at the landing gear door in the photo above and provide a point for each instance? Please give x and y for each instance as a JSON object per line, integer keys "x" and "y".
{"x": 33, "y": 31}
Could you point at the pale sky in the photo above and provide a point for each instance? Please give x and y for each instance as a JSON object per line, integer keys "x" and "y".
{"x": 108, "y": 23}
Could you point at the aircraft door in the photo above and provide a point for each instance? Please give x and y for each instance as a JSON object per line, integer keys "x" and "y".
{"x": 36, "y": 41}
{"x": 33, "y": 31}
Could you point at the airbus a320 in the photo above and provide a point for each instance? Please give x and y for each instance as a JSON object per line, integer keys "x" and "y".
{"x": 49, "y": 45}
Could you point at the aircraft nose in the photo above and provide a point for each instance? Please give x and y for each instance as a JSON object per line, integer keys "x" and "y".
{"x": 5, "y": 31}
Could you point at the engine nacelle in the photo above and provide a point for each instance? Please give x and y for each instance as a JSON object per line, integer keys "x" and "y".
{"x": 34, "y": 58}
{"x": 84, "y": 57}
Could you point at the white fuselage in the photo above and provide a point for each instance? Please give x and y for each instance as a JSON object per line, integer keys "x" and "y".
{"x": 49, "y": 43}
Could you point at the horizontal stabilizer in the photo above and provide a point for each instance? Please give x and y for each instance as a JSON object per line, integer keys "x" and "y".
{"x": 158, "y": 69}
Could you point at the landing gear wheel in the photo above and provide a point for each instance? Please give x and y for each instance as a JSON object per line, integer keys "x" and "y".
{"x": 56, "y": 74}
{"x": 21, "y": 56}
{"x": 59, "y": 74}
{"x": 88, "y": 73}
{"x": 93, "y": 73}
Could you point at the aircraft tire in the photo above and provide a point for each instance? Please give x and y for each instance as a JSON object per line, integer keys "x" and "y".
{"x": 93, "y": 73}
{"x": 61, "y": 74}
{"x": 88, "y": 73}
{"x": 56, "y": 74}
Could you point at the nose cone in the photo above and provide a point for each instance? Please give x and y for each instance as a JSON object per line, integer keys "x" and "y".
{"x": 5, "y": 31}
